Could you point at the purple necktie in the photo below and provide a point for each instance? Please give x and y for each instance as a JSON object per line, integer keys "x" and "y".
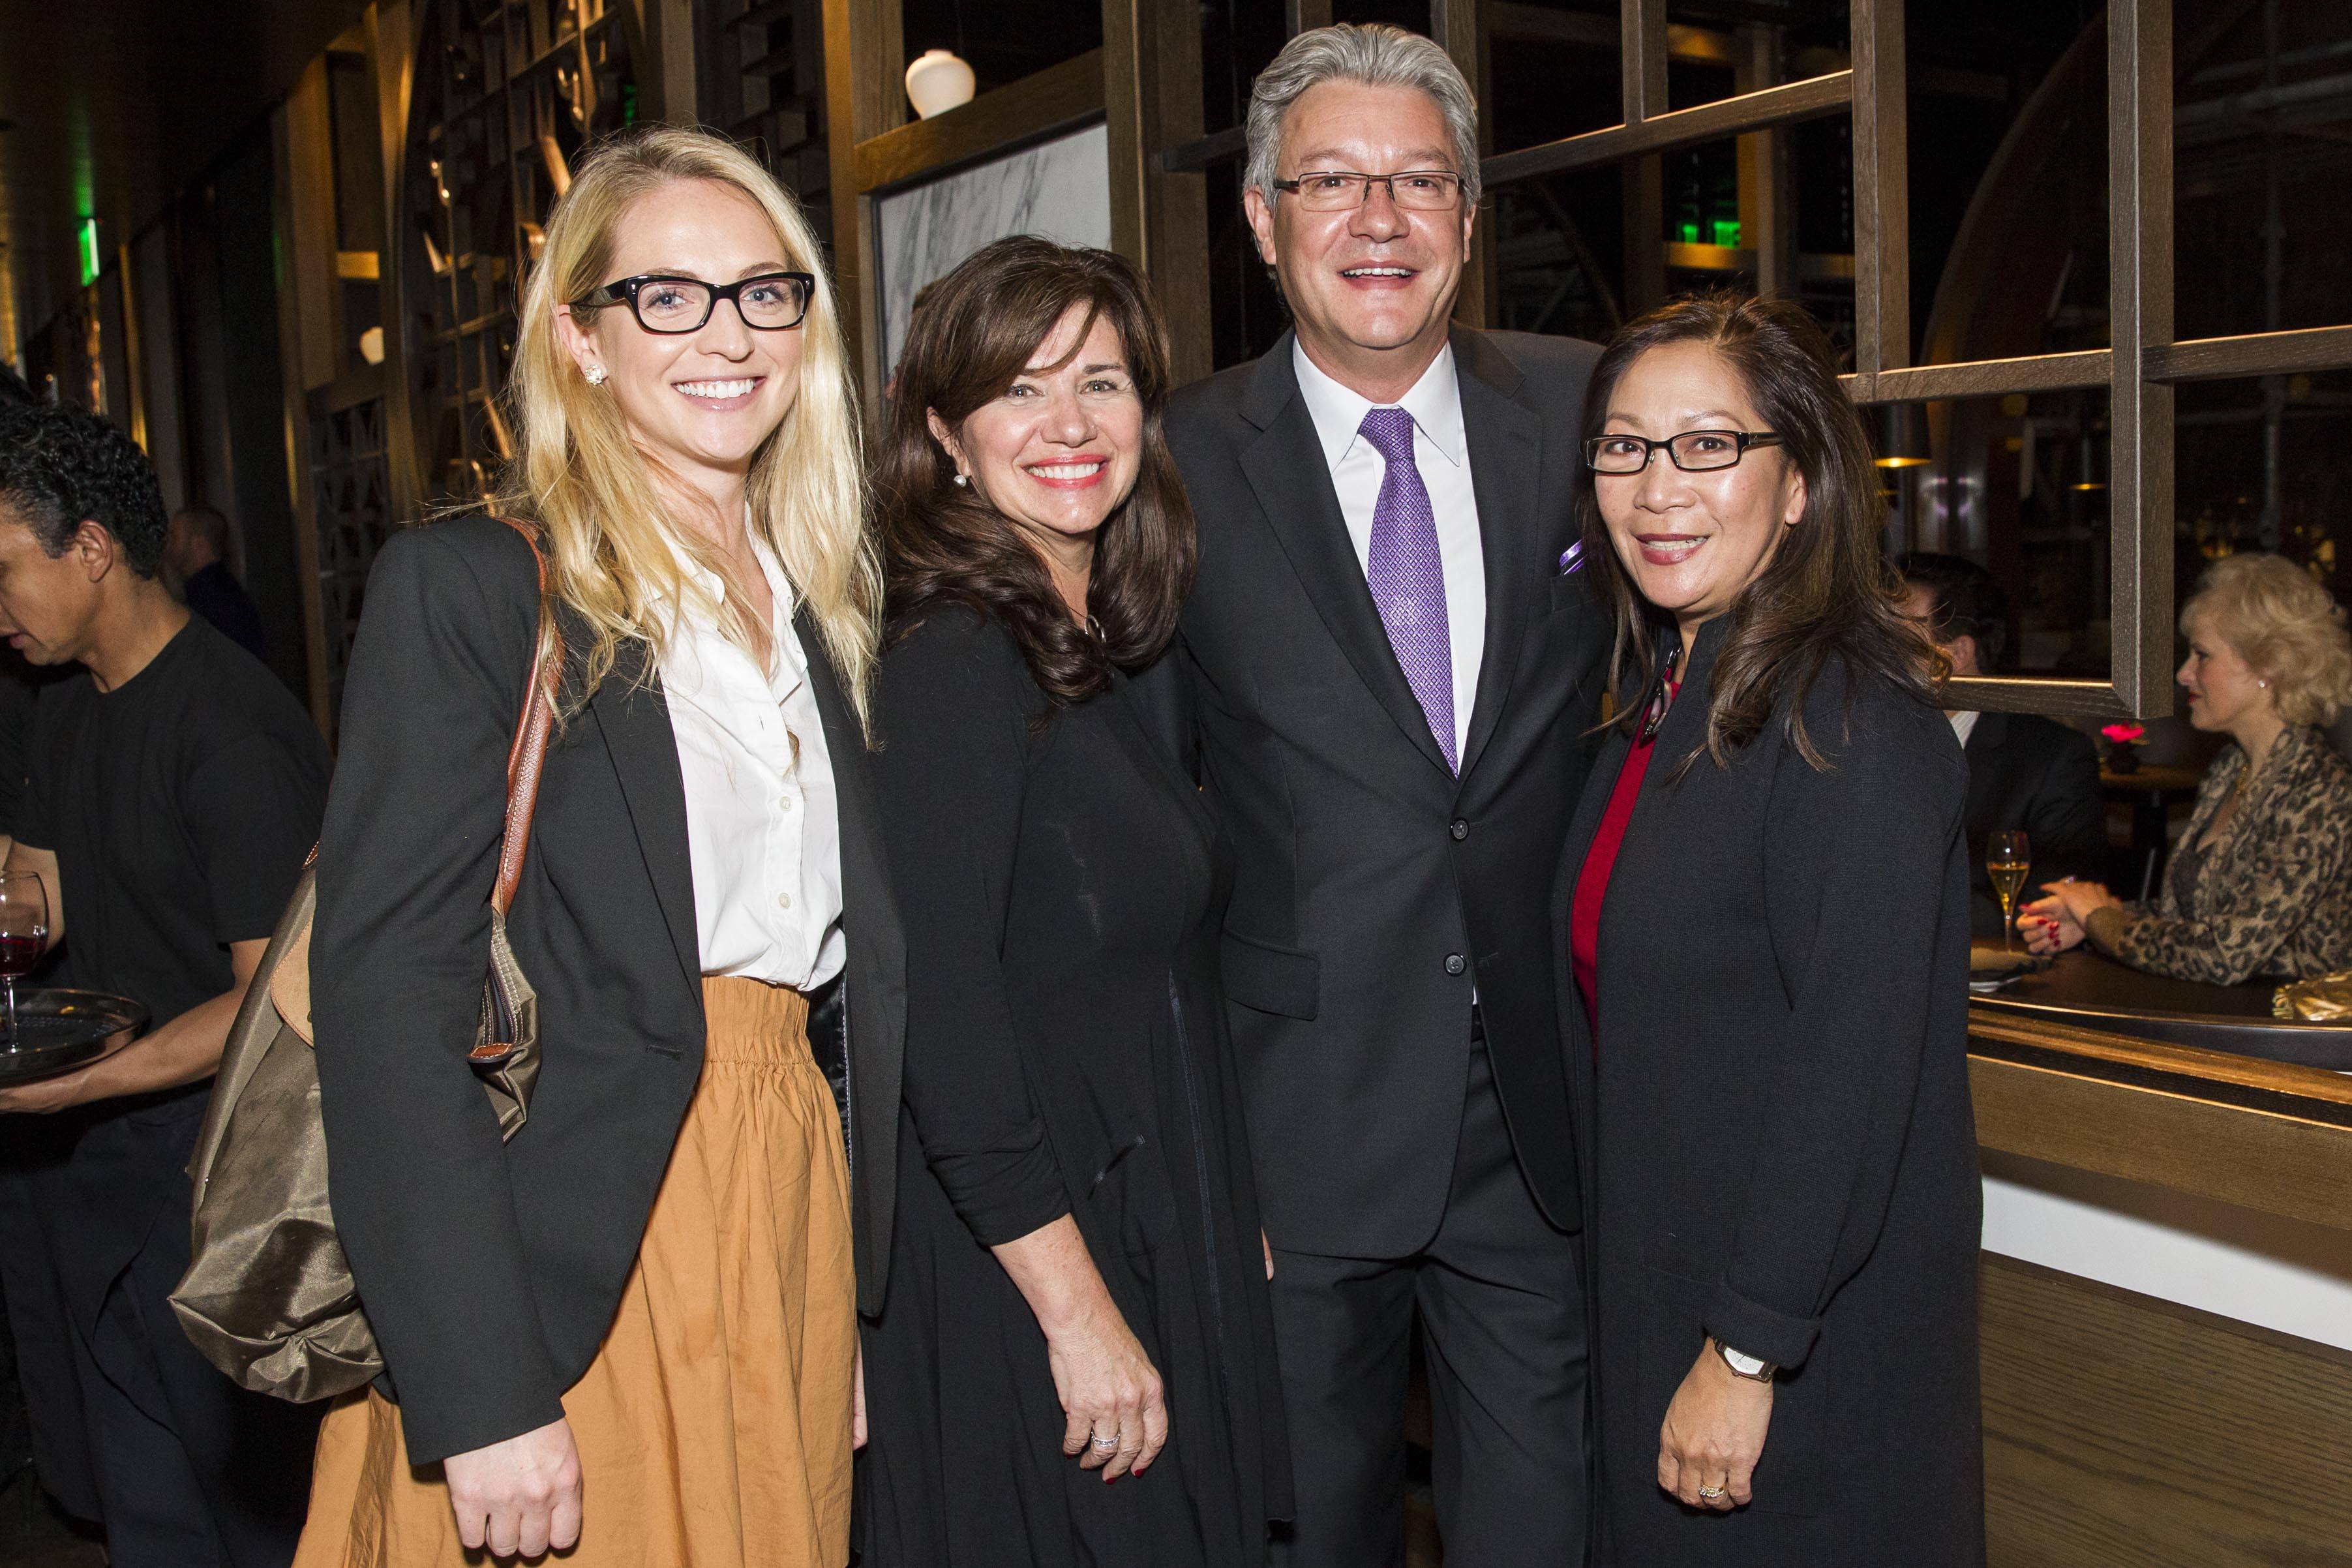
{"x": 1408, "y": 580}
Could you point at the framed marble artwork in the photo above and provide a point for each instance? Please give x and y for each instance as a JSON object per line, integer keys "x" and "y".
{"x": 1060, "y": 189}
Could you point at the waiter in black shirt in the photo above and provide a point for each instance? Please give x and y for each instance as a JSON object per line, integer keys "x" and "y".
{"x": 172, "y": 788}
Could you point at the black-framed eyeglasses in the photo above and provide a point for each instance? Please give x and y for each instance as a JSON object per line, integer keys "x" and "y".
{"x": 666, "y": 303}
{"x": 1692, "y": 451}
{"x": 1338, "y": 190}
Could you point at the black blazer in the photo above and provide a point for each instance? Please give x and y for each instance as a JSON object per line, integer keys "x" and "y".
{"x": 490, "y": 1271}
{"x": 2028, "y": 772}
{"x": 1781, "y": 1138}
{"x": 1374, "y": 889}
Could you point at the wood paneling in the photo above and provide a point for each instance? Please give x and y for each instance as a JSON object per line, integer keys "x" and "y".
{"x": 2125, "y": 1432}
{"x": 2259, "y": 1159}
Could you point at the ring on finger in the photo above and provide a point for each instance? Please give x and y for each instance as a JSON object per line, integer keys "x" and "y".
{"x": 1713, "y": 1494}
{"x": 1103, "y": 1444}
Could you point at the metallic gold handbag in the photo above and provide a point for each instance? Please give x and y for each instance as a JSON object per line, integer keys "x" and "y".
{"x": 269, "y": 1298}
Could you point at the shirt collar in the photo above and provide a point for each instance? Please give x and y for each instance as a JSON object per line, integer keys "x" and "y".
{"x": 780, "y": 590}
{"x": 1435, "y": 403}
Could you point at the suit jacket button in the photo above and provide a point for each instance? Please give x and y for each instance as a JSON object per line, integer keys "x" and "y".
{"x": 1454, "y": 964}
{"x": 1461, "y": 830}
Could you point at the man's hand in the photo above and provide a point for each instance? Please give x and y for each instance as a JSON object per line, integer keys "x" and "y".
{"x": 520, "y": 1498}
{"x": 45, "y": 1096}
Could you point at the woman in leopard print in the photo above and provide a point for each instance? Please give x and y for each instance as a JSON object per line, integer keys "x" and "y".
{"x": 2261, "y": 883}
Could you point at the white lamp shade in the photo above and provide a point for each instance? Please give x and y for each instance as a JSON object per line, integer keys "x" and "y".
{"x": 372, "y": 345}
{"x": 938, "y": 81}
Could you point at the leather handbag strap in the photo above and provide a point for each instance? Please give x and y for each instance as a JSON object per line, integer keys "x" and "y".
{"x": 532, "y": 729}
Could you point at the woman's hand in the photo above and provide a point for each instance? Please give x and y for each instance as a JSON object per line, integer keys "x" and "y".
{"x": 2057, "y": 922}
{"x": 1267, "y": 1248}
{"x": 1111, "y": 1394}
{"x": 1109, "y": 1388}
{"x": 1713, "y": 1434}
{"x": 520, "y": 1498}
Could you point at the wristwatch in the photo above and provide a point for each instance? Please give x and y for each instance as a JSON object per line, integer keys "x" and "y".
{"x": 1755, "y": 1369}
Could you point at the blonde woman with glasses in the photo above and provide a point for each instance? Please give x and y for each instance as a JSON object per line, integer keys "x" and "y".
{"x": 629, "y": 1331}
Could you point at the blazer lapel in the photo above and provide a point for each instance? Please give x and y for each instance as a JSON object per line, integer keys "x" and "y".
{"x": 634, "y": 720}
{"x": 1505, "y": 447}
{"x": 1285, "y": 467}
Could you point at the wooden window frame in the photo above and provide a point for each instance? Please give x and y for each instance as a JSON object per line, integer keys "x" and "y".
{"x": 2139, "y": 373}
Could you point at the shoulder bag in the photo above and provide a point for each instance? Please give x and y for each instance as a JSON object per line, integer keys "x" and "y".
{"x": 269, "y": 1298}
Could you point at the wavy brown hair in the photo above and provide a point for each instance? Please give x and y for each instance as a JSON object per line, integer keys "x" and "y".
{"x": 1828, "y": 591}
{"x": 943, "y": 544}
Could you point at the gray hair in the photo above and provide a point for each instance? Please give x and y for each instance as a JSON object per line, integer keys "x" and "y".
{"x": 1376, "y": 55}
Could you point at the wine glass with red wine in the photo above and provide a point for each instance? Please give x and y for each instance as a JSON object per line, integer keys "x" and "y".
{"x": 24, "y": 934}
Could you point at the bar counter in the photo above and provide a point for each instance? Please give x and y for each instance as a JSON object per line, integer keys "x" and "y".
{"x": 2167, "y": 1279}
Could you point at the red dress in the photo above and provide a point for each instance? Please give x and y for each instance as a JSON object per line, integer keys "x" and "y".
{"x": 1601, "y": 860}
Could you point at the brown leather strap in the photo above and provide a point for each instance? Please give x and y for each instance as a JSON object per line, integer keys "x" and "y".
{"x": 530, "y": 749}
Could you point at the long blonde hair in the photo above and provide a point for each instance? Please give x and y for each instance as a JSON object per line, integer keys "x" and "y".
{"x": 613, "y": 537}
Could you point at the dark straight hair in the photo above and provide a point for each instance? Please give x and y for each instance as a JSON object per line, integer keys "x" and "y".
{"x": 943, "y": 544}
{"x": 1828, "y": 591}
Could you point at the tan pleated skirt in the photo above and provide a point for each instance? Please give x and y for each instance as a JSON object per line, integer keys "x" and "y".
{"x": 714, "y": 1424}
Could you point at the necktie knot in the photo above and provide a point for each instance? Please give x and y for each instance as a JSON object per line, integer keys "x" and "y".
{"x": 1390, "y": 430}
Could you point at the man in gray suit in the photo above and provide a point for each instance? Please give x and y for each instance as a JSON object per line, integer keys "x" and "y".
{"x": 1386, "y": 675}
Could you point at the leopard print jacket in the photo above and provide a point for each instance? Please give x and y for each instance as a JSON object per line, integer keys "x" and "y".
{"x": 2274, "y": 895}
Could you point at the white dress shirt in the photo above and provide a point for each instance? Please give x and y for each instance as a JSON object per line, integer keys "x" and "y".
{"x": 1964, "y": 724}
{"x": 1441, "y": 453}
{"x": 763, "y": 822}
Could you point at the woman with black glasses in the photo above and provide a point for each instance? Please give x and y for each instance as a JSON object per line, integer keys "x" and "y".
{"x": 1762, "y": 926}
{"x": 627, "y": 1332}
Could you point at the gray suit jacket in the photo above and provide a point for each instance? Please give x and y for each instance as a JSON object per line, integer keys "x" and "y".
{"x": 1374, "y": 889}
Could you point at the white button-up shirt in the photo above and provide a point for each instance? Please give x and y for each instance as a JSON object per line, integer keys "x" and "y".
{"x": 762, "y": 821}
{"x": 1440, "y": 451}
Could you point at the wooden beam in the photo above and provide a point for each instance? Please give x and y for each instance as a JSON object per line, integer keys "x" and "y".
{"x": 1058, "y": 96}
{"x": 1983, "y": 378}
{"x": 1457, "y": 25}
{"x": 1304, "y": 15}
{"x": 2254, "y": 354}
{"x": 1160, "y": 215}
{"x": 864, "y": 98}
{"x": 1882, "y": 186}
{"x": 1785, "y": 105}
{"x": 2140, "y": 316}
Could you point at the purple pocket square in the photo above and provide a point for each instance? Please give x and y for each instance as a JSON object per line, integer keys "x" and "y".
{"x": 1572, "y": 558}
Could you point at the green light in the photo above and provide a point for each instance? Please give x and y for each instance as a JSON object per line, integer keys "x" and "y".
{"x": 1727, "y": 232}
{"x": 1690, "y": 234}
{"x": 88, "y": 251}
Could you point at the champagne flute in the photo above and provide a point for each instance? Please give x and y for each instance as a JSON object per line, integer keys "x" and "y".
{"x": 24, "y": 934}
{"x": 2007, "y": 860}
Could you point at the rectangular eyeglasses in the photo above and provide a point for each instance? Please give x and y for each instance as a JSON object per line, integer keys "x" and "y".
{"x": 1692, "y": 451}
{"x": 669, "y": 304}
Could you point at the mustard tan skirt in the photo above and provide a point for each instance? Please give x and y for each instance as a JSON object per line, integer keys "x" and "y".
{"x": 714, "y": 1424}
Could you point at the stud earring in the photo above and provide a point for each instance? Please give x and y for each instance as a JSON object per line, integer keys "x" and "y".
{"x": 961, "y": 482}
{"x": 596, "y": 375}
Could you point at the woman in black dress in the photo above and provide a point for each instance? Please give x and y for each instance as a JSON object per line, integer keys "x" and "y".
{"x": 1074, "y": 1363}
{"x": 1764, "y": 918}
